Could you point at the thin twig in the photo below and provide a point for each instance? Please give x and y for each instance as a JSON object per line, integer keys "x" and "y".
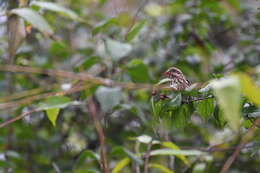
{"x": 25, "y": 101}
{"x": 22, "y": 94}
{"x": 19, "y": 117}
{"x": 93, "y": 113}
{"x": 241, "y": 145}
{"x": 75, "y": 76}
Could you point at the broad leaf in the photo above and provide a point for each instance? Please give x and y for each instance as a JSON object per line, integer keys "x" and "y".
{"x": 52, "y": 115}
{"x": 205, "y": 108}
{"x": 86, "y": 154}
{"x": 249, "y": 89}
{"x": 53, "y": 104}
{"x": 34, "y": 19}
{"x": 116, "y": 49}
{"x": 56, "y": 102}
{"x": 227, "y": 92}
{"x": 108, "y": 97}
{"x": 180, "y": 116}
{"x": 56, "y": 8}
{"x": 138, "y": 71}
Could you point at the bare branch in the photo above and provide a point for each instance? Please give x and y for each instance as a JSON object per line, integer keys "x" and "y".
{"x": 93, "y": 113}
{"x": 241, "y": 145}
{"x": 19, "y": 117}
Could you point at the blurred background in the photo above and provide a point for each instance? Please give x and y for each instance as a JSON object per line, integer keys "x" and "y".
{"x": 128, "y": 41}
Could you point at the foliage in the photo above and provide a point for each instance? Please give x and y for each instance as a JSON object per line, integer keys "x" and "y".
{"x": 72, "y": 70}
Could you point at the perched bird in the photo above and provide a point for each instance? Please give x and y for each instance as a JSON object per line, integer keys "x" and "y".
{"x": 178, "y": 81}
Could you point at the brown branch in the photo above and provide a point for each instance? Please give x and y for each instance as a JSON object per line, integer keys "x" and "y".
{"x": 93, "y": 113}
{"x": 75, "y": 76}
{"x": 25, "y": 101}
{"x": 22, "y": 94}
{"x": 19, "y": 117}
{"x": 241, "y": 145}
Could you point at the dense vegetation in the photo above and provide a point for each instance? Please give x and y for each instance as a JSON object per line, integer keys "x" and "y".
{"x": 82, "y": 90}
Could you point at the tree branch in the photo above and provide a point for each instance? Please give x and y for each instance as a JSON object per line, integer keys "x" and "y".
{"x": 13, "y": 104}
{"x": 93, "y": 113}
{"x": 75, "y": 76}
{"x": 19, "y": 117}
{"x": 241, "y": 145}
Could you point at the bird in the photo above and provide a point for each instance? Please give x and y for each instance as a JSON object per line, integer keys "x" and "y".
{"x": 178, "y": 81}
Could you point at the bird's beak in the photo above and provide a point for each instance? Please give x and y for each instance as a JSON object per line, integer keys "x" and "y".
{"x": 165, "y": 73}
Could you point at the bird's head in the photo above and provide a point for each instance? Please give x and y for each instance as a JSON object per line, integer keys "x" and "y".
{"x": 173, "y": 72}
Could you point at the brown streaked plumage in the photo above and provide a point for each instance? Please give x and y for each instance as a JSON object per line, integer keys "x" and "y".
{"x": 178, "y": 80}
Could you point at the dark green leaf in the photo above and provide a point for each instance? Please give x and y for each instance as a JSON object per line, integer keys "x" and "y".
{"x": 138, "y": 71}
{"x": 205, "y": 108}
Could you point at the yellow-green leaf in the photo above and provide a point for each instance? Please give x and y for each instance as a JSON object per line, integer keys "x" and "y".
{"x": 161, "y": 167}
{"x": 227, "y": 92}
{"x": 175, "y": 147}
{"x": 121, "y": 164}
{"x": 52, "y": 115}
{"x": 249, "y": 89}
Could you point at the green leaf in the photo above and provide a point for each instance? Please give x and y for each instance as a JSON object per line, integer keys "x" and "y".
{"x": 161, "y": 167}
{"x": 123, "y": 151}
{"x": 180, "y": 116}
{"x": 56, "y": 8}
{"x": 133, "y": 156}
{"x": 135, "y": 30}
{"x": 86, "y": 154}
{"x": 104, "y": 26}
{"x": 89, "y": 62}
{"x": 56, "y": 102}
{"x": 120, "y": 165}
{"x": 175, "y": 147}
{"x": 227, "y": 92}
{"x": 176, "y": 152}
{"x": 116, "y": 49}
{"x": 108, "y": 97}
{"x": 249, "y": 88}
{"x": 205, "y": 108}
{"x": 219, "y": 118}
{"x": 138, "y": 71}
{"x": 52, "y": 115}
{"x": 34, "y": 19}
